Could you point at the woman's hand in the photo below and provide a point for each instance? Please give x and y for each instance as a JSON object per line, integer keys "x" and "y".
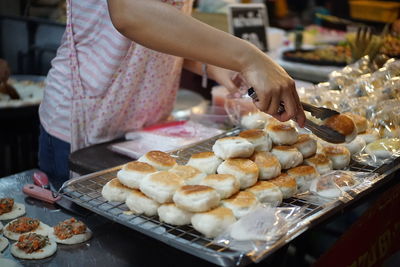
{"x": 232, "y": 80}
{"x": 4, "y": 71}
{"x": 274, "y": 87}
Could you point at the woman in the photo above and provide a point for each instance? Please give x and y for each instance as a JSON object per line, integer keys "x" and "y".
{"x": 115, "y": 72}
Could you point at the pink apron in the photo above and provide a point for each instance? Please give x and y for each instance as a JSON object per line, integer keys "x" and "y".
{"x": 141, "y": 92}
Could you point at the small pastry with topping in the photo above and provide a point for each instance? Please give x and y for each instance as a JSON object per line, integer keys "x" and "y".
{"x": 14, "y": 229}
{"x": 71, "y": 231}
{"x": 33, "y": 246}
{"x": 10, "y": 210}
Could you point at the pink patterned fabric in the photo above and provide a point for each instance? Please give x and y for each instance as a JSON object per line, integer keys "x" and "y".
{"x": 101, "y": 84}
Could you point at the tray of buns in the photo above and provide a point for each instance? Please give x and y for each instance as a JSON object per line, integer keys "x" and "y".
{"x": 101, "y": 193}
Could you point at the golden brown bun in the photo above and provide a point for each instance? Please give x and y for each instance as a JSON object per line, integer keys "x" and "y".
{"x": 285, "y": 148}
{"x": 261, "y": 186}
{"x": 252, "y": 134}
{"x": 360, "y": 122}
{"x": 303, "y": 138}
{"x": 194, "y": 189}
{"x": 139, "y": 167}
{"x": 284, "y": 180}
{"x": 281, "y": 127}
{"x": 185, "y": 172}
{"x": 335, "y": 150}
{"x": 166, "y": 178}
{"x": 244, "y": 165}
{"x": 161, "y": 158}
{"x": 302, "y": 170}
{"x": 242, "y": 199}
{"x": 264, "y": 159}
{"x": 115, "y": 183}
{"x": 341, "y": 123}
{"x": 319, "y": 159}
{"x": 202, "y": 155}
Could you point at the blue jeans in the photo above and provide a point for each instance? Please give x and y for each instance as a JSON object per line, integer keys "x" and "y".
{"x": 53, "y": 158}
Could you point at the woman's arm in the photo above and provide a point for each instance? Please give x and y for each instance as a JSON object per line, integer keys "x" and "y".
{"x": 162, "y": 27}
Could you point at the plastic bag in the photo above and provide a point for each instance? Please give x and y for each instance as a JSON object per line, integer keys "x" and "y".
{"x": 166, "y": 137}
{"x": 379, "y": 152}
{"x": 261, "y": 228}
{"x": 336, "y": 184}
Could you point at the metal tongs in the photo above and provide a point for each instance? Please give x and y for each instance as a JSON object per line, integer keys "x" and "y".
{"x": 324, "y": 132}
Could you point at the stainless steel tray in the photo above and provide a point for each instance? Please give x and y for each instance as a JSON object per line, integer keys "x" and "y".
{"x": 86, "y": 192}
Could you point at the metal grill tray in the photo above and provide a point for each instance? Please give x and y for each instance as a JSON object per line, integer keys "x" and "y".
{"x": 86, "y": 192}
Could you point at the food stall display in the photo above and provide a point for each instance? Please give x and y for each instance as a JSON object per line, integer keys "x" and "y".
{"x": 220, "y": 199}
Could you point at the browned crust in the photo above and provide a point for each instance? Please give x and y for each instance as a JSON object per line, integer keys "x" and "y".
{"x": 284, "y": 180}
{"x": 319, "y": 159}
{"x": 161, "y": 158}
{"x": 302, "y": 170}
{"x": 139, "y": 167}
{"x": 201, "y": 155}
{"x": 252, "y": 134}
{"x": 341, "y": 123}
{"x": 335, "y": 150}
{"x": 244, "y": 165}
{"x": 116, "y": 183}
{"x": 166, "y": 178}
{"x": 264, "y": 159}
{"x": 281, "y": 127}
{"x": 285, "y": 148}
{"x": 242, "y": 199}
{"x": 303, "y": 138}
{"x": 219, "y": 177}
{"x": 260, "y": 186}
{"x": 194, "y": 189}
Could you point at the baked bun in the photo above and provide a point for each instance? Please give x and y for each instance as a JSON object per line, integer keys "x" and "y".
{"x": 360, "y": 122}
{"x": 158, "y": 159}
{"x": 254, "y": 120}
{"x": 259, "y": 138}
{"x": 268, "y": 165}
{"x": 383, "y": 148}
{"x": 173, "y": 215}
{"x": 214, "y": 222}
{"x": 320, "y": 162}
{"x": 206, "y": 162}
{"x": 189, "y": 174}
{"x": 288, "y": 156}
{"x": 114, "y": 191}
{"x": 282, "y": 134}
{"x": 241, "y": 203}
{"x": 286, "y": 183}
{"x": 266, "y": 192}
{"x": 196, "y": 198}
{"x": 233, "y": 147}
{"x": 344, "y": 125}
{"x": 245, "y": 170}
{"x": 370, "y": 135}
{"x": 161, "y": 186}
{"x": 139, "y": 203}
{"x": 132, "y": 173}
{"x": 356, "y": 145}
{"x": 332, "y": 185}
{"x": 304, "y": 175}
{"x": 225, "y": 184}
{"x": 339, "y": 155}
{"x": 306, "y": 145}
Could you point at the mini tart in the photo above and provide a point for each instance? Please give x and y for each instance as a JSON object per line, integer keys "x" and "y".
{"x": 42, "y": 229}
{"x": 16, "y": 211}
{"x": 48, "y": 250}
{"x": 75, "y": 238}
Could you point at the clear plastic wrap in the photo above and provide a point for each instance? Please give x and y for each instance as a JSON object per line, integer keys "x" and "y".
{"x": 336, "y": 184}
{"x": 379, "y": 152}
{"x": 256, "y": 232}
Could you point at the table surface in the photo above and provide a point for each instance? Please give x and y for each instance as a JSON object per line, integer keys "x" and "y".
{"x": 111, "y": 245}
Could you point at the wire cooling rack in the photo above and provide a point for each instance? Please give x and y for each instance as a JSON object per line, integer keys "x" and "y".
{"x": 86, "y": 192}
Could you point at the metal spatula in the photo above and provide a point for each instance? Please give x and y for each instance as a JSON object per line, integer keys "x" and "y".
{"x": 324, "y": 132}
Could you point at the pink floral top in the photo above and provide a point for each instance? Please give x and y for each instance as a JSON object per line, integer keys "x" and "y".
{"x": 101, "y": 84}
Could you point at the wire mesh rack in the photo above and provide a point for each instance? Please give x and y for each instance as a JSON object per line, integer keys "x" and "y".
{"x": 86, "y": 192}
